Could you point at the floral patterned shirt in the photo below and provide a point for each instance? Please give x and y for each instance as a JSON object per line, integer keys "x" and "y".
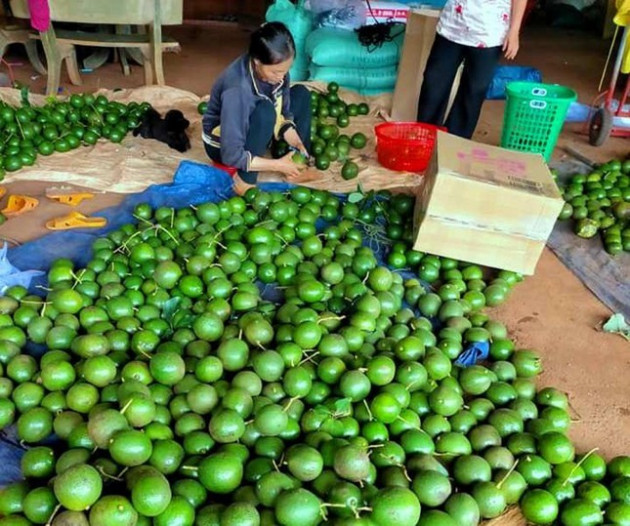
{"x": 475, "y": 23}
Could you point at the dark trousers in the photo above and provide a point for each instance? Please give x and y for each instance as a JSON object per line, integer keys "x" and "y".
{"x": 444, "y": 60}
{"x": 262, "y": 122}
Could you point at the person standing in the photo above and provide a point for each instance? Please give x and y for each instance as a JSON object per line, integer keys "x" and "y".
{"x": 475, "y": 32}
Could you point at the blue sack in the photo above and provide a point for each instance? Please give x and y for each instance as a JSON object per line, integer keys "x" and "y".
{"x": 503, "y": 75}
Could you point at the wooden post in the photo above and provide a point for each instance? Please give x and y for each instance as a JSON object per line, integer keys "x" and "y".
{"x": 156, "y": 43}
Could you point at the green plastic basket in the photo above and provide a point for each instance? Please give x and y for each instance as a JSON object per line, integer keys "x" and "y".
{"x": 534, "y": 115}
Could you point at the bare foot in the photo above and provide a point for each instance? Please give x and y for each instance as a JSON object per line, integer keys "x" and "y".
{"x": 309, "y": 174}
{"x": 240, "y": 186}
{"x": 384, "y": 115}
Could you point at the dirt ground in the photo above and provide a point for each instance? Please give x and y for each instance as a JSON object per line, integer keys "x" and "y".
{"x": 551, "y": 312}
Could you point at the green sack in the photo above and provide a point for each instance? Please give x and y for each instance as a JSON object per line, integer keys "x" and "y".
{"x": 337, "y": 47}
{"x": 357, "y": 78}
{"x": 299, "y": 70}
{"x": 372, "y": 92}
{"x": 300, "y": 23}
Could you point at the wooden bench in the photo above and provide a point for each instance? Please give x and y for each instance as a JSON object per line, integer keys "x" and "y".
{"x": 60, "y": 44}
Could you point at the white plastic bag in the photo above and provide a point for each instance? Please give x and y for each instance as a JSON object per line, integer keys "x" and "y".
{"x": 11, "y": 276}
{"x": 341, "y": 14}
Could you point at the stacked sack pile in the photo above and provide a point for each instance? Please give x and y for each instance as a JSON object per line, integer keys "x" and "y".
{"x": 299, "y": 20}
{"x": 329, "y": 47}
{"x": 337, "y": 53}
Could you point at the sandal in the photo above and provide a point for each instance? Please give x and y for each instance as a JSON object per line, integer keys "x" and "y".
{"x": 18, "y": 204}
{"x": 75, "y": 220}
{"x": 67, "y": 197}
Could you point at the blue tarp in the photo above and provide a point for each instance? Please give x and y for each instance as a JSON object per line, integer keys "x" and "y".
{"x": 195, "y": 183}
{"x": 192, "y": 184}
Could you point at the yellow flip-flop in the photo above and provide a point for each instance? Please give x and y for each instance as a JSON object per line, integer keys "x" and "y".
{"x": 19, "y": 204}
{"x": 75, "y": 220}
{"x": 71, "y": 199}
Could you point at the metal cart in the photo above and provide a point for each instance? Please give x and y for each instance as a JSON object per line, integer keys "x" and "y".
{"x": 601, "y": 124}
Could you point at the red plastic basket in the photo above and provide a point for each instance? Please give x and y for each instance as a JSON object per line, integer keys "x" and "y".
{"x": 405, "y": 146}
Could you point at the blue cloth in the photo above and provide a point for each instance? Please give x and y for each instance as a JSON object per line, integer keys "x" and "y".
{"x": 578, "y": 112}
{"x": 474, "y": 353}
{"x": 11, "y": 276}
{"x": 10, "y": 456}
{"x": 503, "y": 75}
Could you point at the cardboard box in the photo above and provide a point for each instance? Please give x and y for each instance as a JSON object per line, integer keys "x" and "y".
{"x": 386, "y": 12}
{"x": 486, "y": 205}
{"x": 419, "y": 37}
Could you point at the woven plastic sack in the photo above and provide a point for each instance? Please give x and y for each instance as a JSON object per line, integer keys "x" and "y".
{"x": 356, "y": 78}
{"x": 299, "y": 71}
{"x": 373, "y": 92}
{"x": 300, "y": 22}
{"x": 336, "y": 47}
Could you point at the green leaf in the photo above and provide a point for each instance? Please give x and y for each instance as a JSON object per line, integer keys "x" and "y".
{"x": 24, "y": 96}
{"x": 322, "y": 411}
{"x": 184, "y": 320}
{"x": 343, "y": 406}
{"x": 355, "y": 197}
{"x": 617, "y": 325}
{"x": 170, "y": 308}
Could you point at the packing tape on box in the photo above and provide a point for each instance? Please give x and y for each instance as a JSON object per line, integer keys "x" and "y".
{"x": 538, "y": 237}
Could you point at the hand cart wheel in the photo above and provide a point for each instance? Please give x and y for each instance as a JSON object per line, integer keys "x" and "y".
{"x": 600, "y": 127}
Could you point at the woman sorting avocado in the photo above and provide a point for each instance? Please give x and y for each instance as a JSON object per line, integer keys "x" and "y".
{"x": 253, "y": 105}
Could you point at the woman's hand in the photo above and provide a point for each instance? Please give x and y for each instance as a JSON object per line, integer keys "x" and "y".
{"x": 292, "y": 138}
{"x": 286, "y": 166}
{"x": 511, "y": 44}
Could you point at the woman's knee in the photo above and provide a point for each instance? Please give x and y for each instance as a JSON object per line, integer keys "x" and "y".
{"x": 264, "y": 114}
{"x": 213, "y": 153}
{"x": 300, "y": 97}
{"x": 300, "y": 93}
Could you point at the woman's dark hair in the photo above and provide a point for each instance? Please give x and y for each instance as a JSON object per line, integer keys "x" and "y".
{"x": 272, "y": 43}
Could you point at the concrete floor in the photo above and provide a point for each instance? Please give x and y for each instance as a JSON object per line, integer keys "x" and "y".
{"x": 552, "y": 311}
